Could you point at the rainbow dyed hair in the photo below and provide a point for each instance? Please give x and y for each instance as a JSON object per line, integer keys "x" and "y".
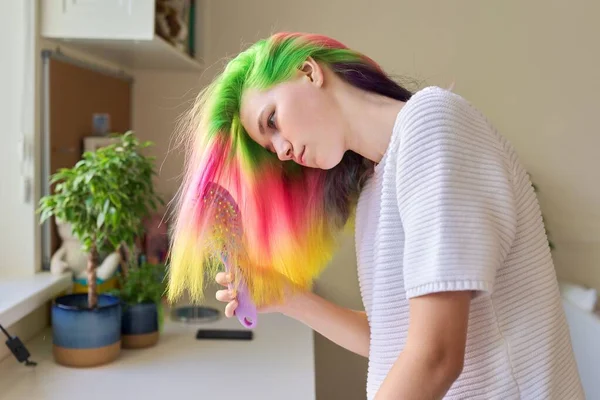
{"x": 291, "y": 215}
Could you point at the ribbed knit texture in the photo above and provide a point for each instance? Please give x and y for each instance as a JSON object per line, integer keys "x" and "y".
{"x": 451, "y": 208}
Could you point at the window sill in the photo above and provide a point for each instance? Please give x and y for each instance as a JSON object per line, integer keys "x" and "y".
{"x": 20, "y": 295}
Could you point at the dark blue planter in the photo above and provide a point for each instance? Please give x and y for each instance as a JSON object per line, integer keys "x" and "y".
{"x": 84, "y": 337}
{"x": 139, "y": 326}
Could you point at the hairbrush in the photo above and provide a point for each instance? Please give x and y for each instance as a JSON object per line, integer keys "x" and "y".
{"x": 228, "y": 229}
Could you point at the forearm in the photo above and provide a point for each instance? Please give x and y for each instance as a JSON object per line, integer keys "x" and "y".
{"x": 419, "y": 375}
{"x": 345, "y": 327}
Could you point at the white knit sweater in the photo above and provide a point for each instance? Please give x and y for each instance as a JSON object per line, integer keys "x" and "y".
{"x": 451, "y": 208}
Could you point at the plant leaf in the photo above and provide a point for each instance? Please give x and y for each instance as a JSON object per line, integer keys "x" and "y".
{"x": 100, "y": 220}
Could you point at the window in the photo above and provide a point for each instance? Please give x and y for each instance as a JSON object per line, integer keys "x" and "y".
{"x": 18, "y": 152}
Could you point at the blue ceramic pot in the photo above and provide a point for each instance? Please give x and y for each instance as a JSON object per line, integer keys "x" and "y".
{"x": 139, "y": 327}
{"x": 84, "y": 337}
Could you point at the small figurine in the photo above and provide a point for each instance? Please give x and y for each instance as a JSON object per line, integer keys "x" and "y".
{"x": 70, "y": 257}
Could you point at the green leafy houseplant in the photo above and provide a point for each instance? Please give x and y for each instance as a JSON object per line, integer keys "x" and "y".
{"x": 104, "y": 198}
{"x": 141, "y": 294}
{"x": 144, "y": 284}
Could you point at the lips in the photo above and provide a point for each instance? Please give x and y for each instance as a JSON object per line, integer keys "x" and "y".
{"x": 300, "y": 158}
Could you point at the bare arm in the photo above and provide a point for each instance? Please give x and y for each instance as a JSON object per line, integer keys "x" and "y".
{"x": 347, "y": 328}
{"x": 435, "y": 348}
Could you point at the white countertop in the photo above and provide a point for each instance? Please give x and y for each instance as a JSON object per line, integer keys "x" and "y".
{"x": 20, "y": 295}
{"x": 277, "y": 364}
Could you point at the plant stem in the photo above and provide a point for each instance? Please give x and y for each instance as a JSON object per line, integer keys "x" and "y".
{"x": 91, "y": 278}
{"x": 124, "y": 261}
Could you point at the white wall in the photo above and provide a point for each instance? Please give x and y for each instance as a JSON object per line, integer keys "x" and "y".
{"x": 18, "y": 187}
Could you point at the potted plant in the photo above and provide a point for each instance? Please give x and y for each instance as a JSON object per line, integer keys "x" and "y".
{"x": 141, "y": 294}
{"x": 104, "y": 198}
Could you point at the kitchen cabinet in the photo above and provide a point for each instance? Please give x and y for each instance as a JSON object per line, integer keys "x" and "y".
{"x": 119, "y": 31}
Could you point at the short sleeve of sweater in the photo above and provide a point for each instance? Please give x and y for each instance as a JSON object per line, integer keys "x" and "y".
{"x": 454, "y": 194}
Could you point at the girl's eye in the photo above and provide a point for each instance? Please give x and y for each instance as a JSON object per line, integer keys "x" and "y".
{"x": 271, "y": 121}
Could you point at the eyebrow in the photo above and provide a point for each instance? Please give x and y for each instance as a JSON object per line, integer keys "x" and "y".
{"x": 261, "y": 128}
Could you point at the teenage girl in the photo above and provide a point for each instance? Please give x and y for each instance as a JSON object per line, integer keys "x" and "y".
{"x": 455, "y": 271}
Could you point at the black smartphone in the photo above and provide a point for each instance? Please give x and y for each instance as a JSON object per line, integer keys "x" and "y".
{"x": 224, "y": 334}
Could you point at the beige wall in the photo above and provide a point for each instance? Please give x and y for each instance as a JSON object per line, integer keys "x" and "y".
{"x": 159, "y": 99}
{"x": 533, "y": 67}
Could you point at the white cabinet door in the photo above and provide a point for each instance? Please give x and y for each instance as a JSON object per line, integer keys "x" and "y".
{"x": 98, "y": 19}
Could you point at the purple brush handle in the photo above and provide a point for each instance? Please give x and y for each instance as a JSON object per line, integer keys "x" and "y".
{"x": 246, "y": 311}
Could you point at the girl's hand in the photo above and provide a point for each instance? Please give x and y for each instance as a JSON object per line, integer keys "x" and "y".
{"x": 348, "y": 328}
{"x": 228, "y": 296}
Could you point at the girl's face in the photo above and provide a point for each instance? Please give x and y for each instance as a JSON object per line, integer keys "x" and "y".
{"x": 298, "y": 120}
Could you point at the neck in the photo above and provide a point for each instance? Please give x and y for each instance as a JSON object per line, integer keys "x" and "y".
{"x": 371, "y": 119}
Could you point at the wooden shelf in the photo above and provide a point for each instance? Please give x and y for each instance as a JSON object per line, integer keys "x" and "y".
{"x": 155, "y": 54}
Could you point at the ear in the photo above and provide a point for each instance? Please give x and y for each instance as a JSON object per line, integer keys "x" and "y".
{"x": 313, "y": 71}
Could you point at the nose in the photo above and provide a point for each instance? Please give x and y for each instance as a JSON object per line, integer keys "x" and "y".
{"x": 283, "y": 148}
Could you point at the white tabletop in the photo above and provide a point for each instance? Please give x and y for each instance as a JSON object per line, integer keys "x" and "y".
{"x": 277, "y": 364}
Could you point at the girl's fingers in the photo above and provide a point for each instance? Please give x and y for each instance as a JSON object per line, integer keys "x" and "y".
{"x": 230, "y": 308}
{"x": 223, "y": 278}
{"x": 225, "y": 295}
